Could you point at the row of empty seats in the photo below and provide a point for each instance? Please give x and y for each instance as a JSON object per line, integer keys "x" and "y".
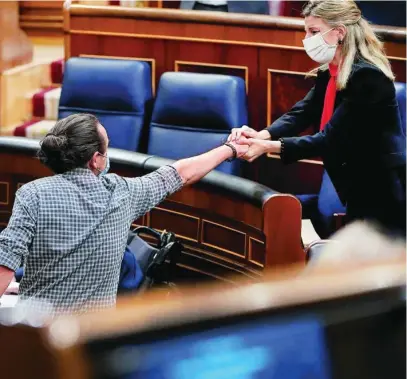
{"x": 192, "y": 113}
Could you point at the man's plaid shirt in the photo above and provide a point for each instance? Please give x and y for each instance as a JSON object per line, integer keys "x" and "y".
{"x": 70, "y": 232}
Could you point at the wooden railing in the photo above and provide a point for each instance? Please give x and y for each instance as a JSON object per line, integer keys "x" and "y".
{"x": 350, "y": 316}
{"x": 41, "y": 18}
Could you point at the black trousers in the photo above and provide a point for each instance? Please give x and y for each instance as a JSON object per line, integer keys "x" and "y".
{"x": 382, "y": 201}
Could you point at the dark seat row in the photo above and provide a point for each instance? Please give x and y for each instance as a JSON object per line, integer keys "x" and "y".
{"x": 192, "y": 113}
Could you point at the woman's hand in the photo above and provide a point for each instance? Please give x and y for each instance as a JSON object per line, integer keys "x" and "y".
{"x": 241, "y": 148}
{"x": 258, "y": 147}
{"x": 244, "y": 131}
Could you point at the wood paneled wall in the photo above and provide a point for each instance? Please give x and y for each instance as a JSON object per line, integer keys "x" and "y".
{"x": 41, "y": 18}
{"x": 45, "y": 18}
{"x": 266, "y": 51}
{"x": 15, "y": 48}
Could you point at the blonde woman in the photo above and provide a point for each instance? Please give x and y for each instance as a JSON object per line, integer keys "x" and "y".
{"x": 361, "y": 139}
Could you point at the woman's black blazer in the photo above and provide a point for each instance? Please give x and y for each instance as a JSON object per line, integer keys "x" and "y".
{"x": 363, "y": 137}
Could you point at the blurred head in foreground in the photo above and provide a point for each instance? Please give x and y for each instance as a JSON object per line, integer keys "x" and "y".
{"x": 359, "y": 243}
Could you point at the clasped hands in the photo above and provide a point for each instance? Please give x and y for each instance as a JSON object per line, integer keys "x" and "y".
{"x": 257, "y": 142}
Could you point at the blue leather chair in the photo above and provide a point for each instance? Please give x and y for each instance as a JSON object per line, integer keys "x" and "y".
{"x": 194, "y": 113}
{"x": 401, "y": 99}
{"x": 114, "y": 90}
{"x": 320, "y": 208}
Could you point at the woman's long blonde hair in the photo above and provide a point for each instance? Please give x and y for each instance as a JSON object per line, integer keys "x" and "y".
{"x": 360, "y": 40}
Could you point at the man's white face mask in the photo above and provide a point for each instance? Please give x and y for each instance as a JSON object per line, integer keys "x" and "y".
{"x": 318, "y": 50}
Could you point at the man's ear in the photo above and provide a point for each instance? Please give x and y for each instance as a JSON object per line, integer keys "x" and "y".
{"x": 92, "y": 164}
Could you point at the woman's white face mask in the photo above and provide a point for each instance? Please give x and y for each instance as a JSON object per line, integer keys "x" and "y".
{"x": 318, "y": 50}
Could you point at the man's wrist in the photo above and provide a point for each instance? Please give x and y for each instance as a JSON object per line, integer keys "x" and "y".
{"x": 233, "y": 150}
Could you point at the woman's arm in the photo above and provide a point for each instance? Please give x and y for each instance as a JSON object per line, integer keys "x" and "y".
{"x": 292, "y": 123}
{"x": 367, "y": 89}
{"x": 296, "y": 120}
{"x": 266, "y": 141}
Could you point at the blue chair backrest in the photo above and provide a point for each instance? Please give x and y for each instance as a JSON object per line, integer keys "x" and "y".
{"x": 114, "y": 90}
{"x": 401, "y": 99}
{"x": 194, "y": 113}
{"x": 321, "y": 207}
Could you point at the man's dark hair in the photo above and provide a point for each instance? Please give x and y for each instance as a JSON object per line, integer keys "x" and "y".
{"x": 71, "y": 143}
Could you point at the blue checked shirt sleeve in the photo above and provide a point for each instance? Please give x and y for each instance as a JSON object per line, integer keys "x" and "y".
{"x": 149, "y": 190}
{"x": 16, "y": 239}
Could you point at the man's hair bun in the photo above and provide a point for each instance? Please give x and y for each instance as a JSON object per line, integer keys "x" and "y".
{"x": 71, "y": 143}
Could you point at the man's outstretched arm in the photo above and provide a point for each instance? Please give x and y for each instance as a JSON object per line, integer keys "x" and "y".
{"x": 192, "y": 169}
{"x": 149, "y": 190}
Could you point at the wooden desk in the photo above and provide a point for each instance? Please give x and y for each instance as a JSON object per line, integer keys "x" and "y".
{"x": 360, "y": 310}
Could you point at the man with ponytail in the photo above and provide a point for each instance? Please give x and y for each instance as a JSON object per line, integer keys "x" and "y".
{"x": 361, "y": 139}
{"x": 70, "y": 229}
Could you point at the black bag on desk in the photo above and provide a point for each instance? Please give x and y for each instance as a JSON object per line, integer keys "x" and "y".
{"x": 144, "y": 265}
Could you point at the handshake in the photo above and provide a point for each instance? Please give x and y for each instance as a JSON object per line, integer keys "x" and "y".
{"x": 251, "y": 144}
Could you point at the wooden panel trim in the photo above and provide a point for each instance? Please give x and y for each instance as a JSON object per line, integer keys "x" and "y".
{"x": 269, "y": 86}
{"x": 311, "y": 161}
{"x": 250, "y": 256}
{"x": 201, "y": 64}
{"x": 32, "y": 17}
{"x": 41, "y": 25}
{"x": 7, "y": 202}
{"x": 68, "y": 33}
{"x": 55, "y": 5}
{"x": 391, "y": 58}
{"x": 265, "y": 21}
{"x": 147, "y": 219}
{"x": 283, "y": 211}
{"x": 67, "y": 46}
{"x": 249, "y": 20}
{"x": 226, "y": 262}
{"x": 38, "y": 16}
{"x": 186, "y": 215}
{"x": 214, "y": 276}
{"x": 155, "y": 3}
{"x": 201, "y": 240}
{"x": 187, "y": 39}
{"x": 150, "y": 60}
{"x": 66, "y": 25}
